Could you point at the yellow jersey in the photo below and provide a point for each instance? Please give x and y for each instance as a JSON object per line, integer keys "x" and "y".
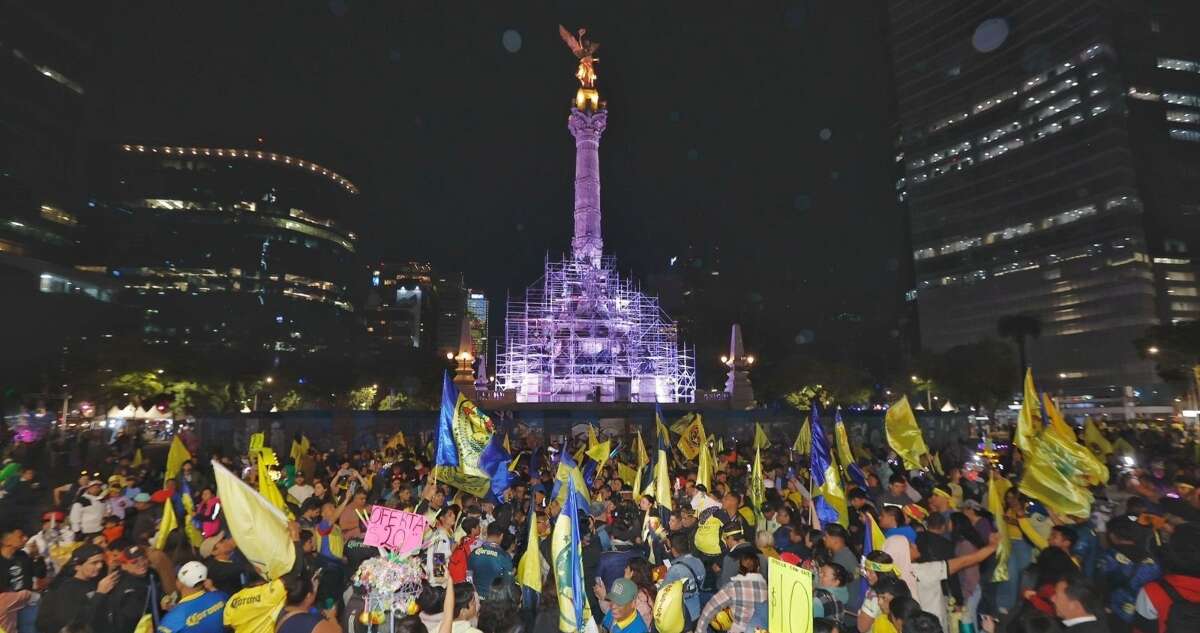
{"x": 254, "y": 609}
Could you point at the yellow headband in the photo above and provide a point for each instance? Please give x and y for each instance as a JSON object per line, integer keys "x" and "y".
{"x": 879, "y": 568}
{"x": 939, "y": 492}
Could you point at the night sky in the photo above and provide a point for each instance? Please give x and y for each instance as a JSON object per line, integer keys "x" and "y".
{"x": 456, "y": 132}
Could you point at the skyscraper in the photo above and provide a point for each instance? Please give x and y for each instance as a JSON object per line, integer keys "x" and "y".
{"x": 1049, "y": 160}
{"x": 233, "y": 248}
{"x": 399, "y": 309}
{"x": 477, "y": 312}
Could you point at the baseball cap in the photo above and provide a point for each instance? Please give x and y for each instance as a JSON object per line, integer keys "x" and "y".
{"x": 95, "y": 482}
{"x": 192, "y": 574}
{"x": 132, "y": 553}
{"x": 209, "y": 543}
{"x": 623, "y": 592}
{"x": 597, "y": 508}
{"x": 973, "y": 504}
{"x": 141, "y": 497}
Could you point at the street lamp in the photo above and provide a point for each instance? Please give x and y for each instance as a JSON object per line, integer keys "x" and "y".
{"x": 1153, "y": 349}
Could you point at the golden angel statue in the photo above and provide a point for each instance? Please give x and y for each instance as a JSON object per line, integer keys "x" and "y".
{"x": 583, "y": 48}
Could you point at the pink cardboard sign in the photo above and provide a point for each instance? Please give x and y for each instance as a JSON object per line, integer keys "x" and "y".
{"x": 395, "y": 530}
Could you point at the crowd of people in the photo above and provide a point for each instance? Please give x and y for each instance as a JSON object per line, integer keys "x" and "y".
{"x": 100, "y": 559}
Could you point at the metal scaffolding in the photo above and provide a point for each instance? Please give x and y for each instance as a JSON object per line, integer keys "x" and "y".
{"x": 584, "y": 334}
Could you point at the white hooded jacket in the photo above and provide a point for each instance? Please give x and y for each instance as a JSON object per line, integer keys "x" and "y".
{"x": 87, "y": 514}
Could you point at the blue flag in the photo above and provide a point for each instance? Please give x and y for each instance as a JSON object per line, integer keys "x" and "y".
{"x": 494, "y": 461}
{"x": 447, "y": 451}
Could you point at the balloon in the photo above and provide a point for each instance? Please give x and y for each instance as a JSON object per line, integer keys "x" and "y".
{"x": 668, "y": 608}
{"x": 722, "y": 621}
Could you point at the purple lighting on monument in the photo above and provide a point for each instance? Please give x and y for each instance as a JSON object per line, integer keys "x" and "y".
{"x": 583, "y": 333}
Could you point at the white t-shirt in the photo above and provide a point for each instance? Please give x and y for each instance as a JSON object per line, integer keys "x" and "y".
{"x": 929, "y": 588}
{"x": 300, "y": 492}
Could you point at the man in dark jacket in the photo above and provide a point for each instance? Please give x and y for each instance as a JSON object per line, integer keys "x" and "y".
{"x": 136, "y": 591}
{"x": 76, "y": 594}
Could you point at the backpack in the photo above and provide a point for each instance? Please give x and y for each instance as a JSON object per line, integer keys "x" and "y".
{"x": 1185, "y": 615}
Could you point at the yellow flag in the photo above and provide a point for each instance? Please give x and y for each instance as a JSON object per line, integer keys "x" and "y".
{"x": 903, "y": 434}
{"x": 937, "y": 464}
{"x": 662, "y": 475}
{"x": 138, "y": 460}
{"x": 679, "y": 426}
{"x": 169, "y": 523}
{"x": 1029, "y": 420}
{"x": 599, "y": 453}
{"x": 529, "y": 568}
{"x": 1123, "y": 447}
{"x": 843, "y": 446}
{"x": 507, "y": 446}
{"x": 1056, "y": 475}
{"x": 692, "y": 438}
{"x": 1057, "y": 424}
{"x": 396, "y": 441}
{"x": 997, "y": 487}
{"x": 189, "y": 525}
{"x": 760, "y": 437}
{"x": 299, "y": 449}
{"x": 266, "y": 485}
{"x": 704, "y": 469}
{"x": 640, "y": 465}
{"x": 626, "y": 474}
{"x": 177, "y": 454}
{"x": 592, "y": 439}
{"x": 803, "y": 444}
{"x": 260, "y": 529}
{"x": 1096, "y": 440}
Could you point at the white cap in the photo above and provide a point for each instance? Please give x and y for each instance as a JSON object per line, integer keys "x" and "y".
{"x": 192, "y": 574}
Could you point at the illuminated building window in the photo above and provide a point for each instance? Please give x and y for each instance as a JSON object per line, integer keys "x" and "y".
{"x": 1183, "y": 116}
{"x": 1185, "y": 135}
{"x": 1178, "y": 275}
{"x": 57, "y": 215}
{"x": 1186, "y": 65}
{"x": 1182, "y": 292}
{"x": 1181, "y": 98}
{"x": 1180, "y": 306}
{"x": 1146, "y": 94}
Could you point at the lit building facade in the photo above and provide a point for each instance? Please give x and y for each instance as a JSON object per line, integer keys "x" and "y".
{"x": 228, "y": 247}
{"x": 477, "y": 312}
{"x": 1049, "y": 163}
{"x": 400, "y": 306}
{"x": 583, "y": 332}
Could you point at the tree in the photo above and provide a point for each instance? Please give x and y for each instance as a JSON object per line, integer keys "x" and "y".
{"x": 1020, "y": 327}
{"x": 363, "y": 398}
{"x": 134, "y": 386}
{"x": 1175, "y": 349}
{"x": 980, "y": 373}
{"x": 191, "y": 397}
{"x": 798, "y": 379}
{"x": 394, "y": 401}
{"x": 289, "y": 401}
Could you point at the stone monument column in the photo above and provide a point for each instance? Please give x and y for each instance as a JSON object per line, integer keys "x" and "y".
{"x": 586, "y": 126}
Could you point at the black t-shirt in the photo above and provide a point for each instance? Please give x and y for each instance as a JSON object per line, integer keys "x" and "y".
{"x": 229, "y": 576}
{"x": 17, "y": 573}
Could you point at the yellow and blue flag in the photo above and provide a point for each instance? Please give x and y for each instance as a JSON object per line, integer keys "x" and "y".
{"x": 529, "y": 568}
{"x": 827, "y": 493}
{"x": 642, "y": 460}
{"x": 463, "y": 435}
{"x": 872, "y": 541}
{"x": 997, "y": 487}
{"x": 569, "y": 477}
{"x": 176, "y": 456}
{"x": 574, "y": 614}
{"x": 845, "y": 457}
{"x": 662, "y": 474}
